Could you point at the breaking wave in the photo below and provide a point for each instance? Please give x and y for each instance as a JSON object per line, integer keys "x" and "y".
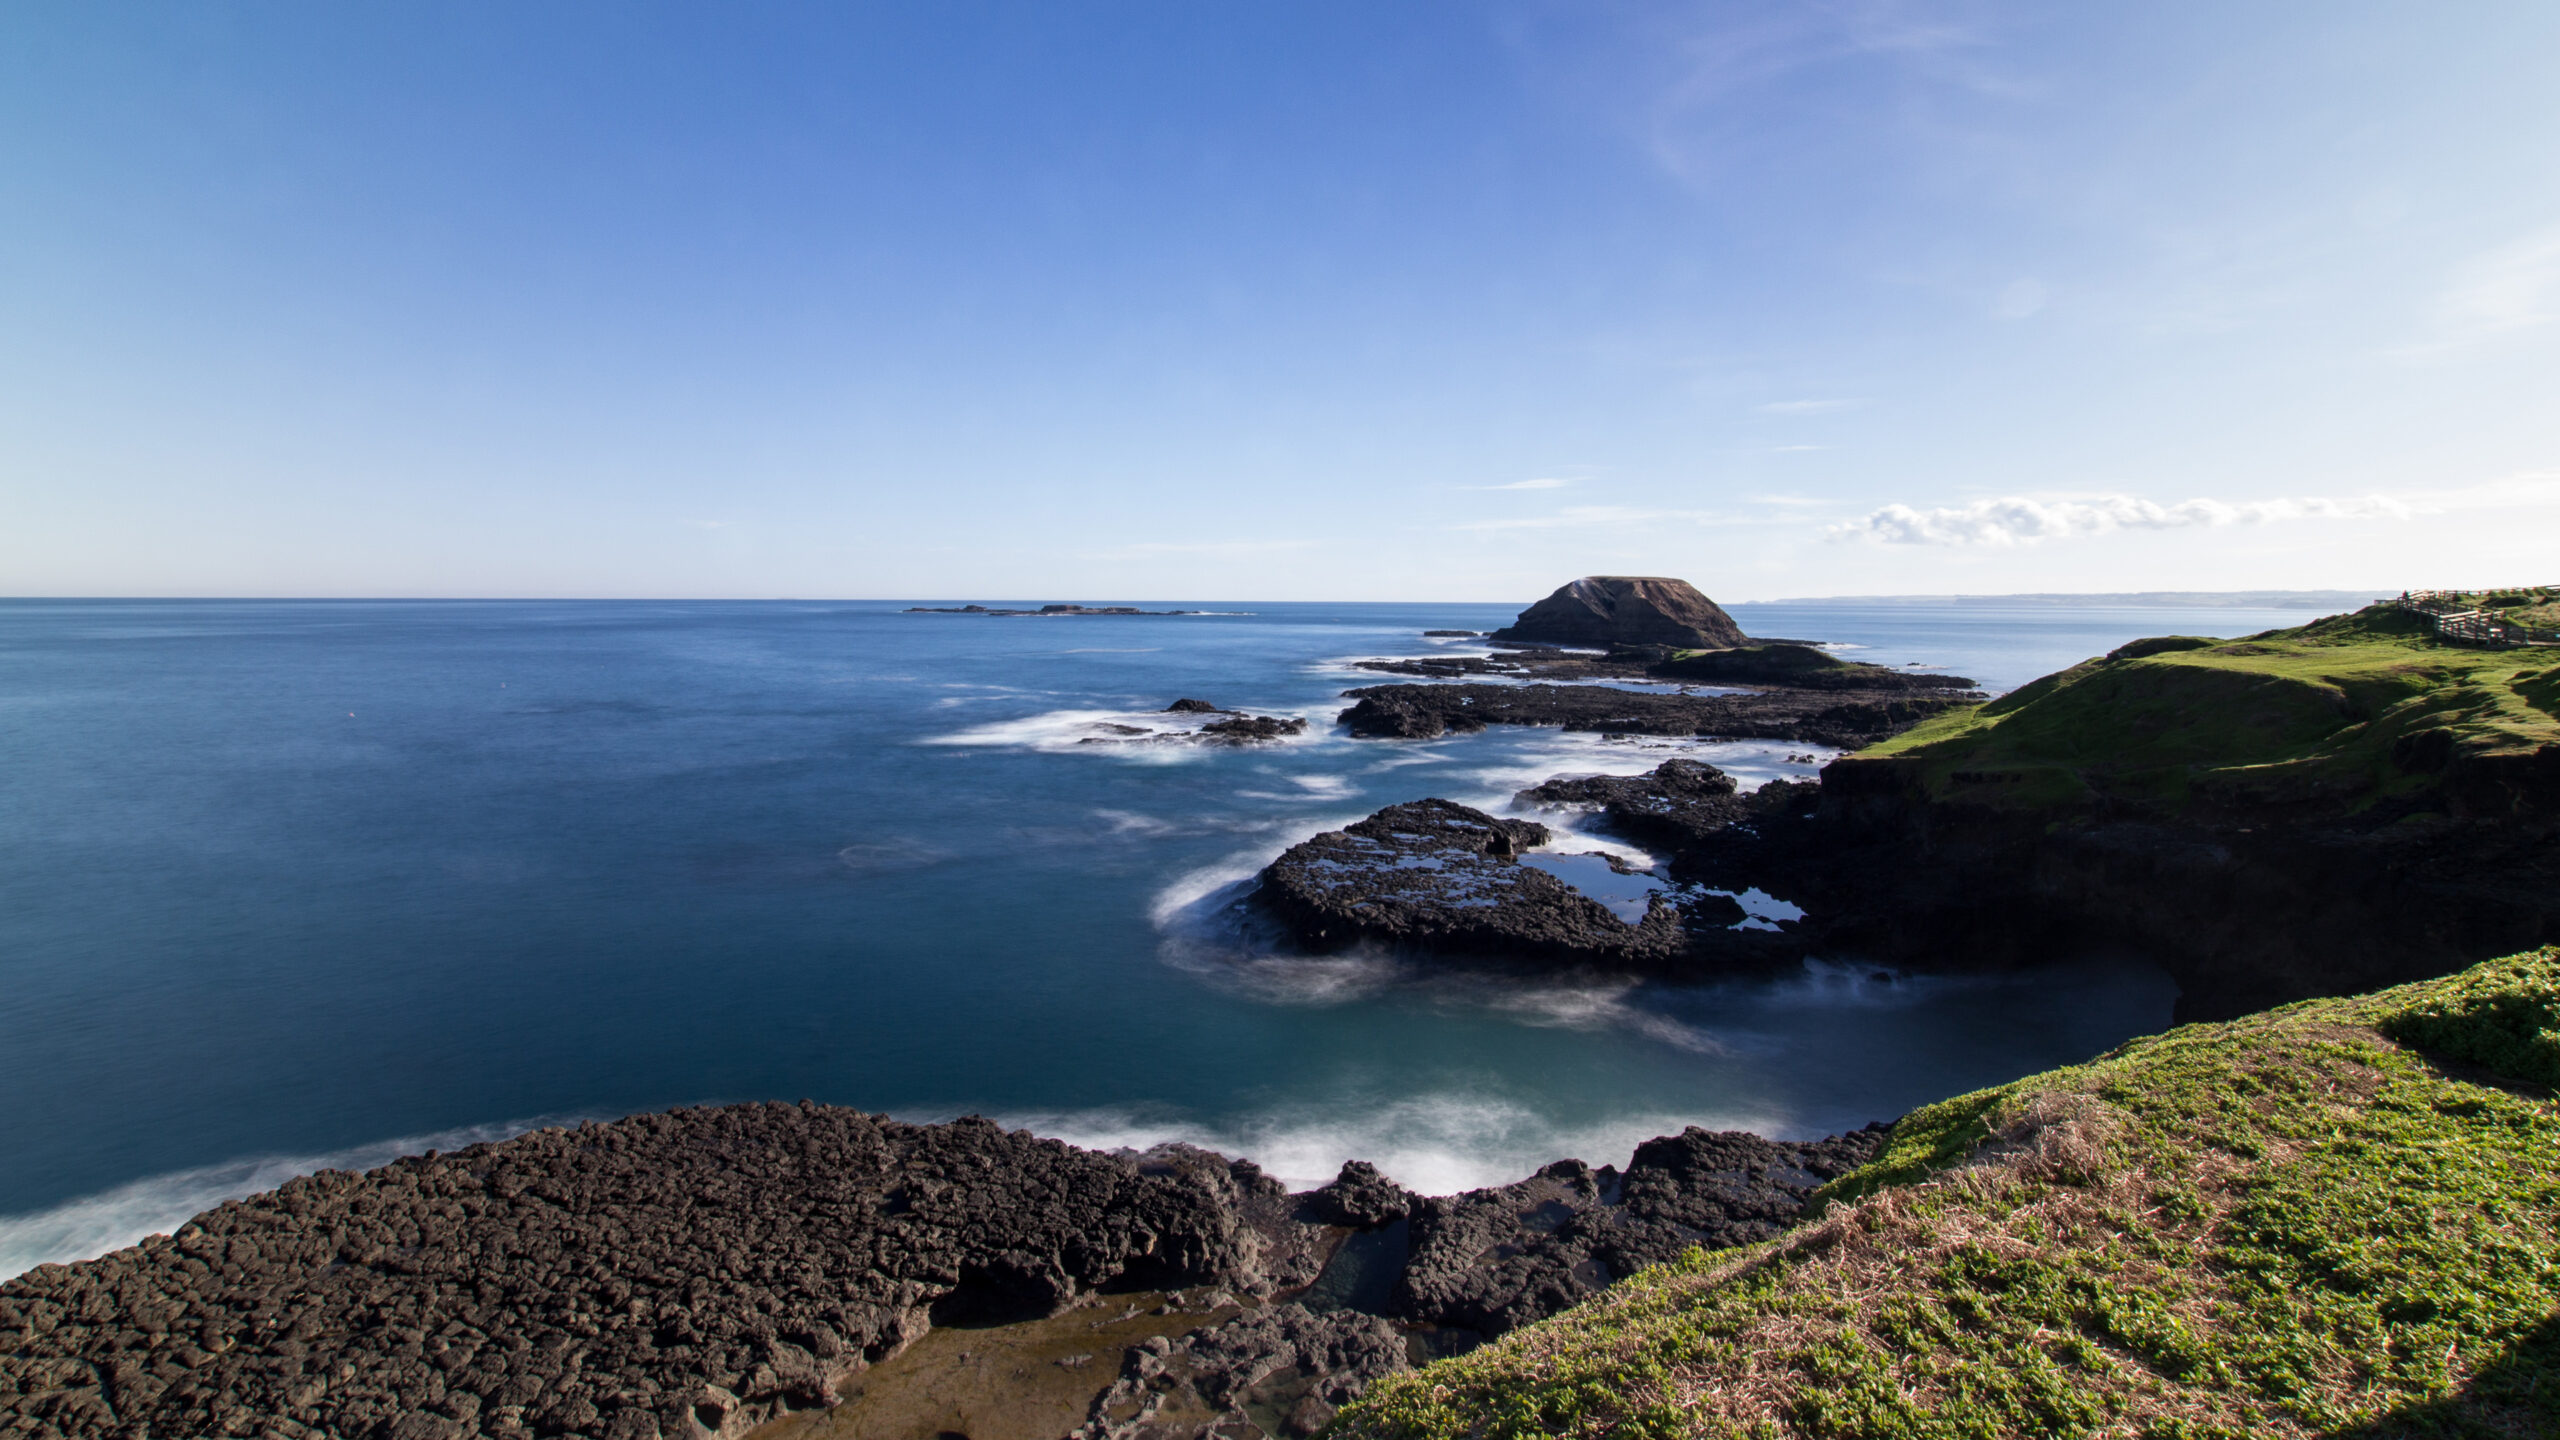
{"x": 93, "y": 1225}
{"x": 1434, "y": 1144}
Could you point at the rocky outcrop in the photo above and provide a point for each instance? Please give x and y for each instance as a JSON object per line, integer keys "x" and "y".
{"x": 1043, "y": 611}
{"x": 1802, "y": 667}
{"x": 1678, "y": 806}
{"x": 1607, "y": 610}
{"x": 1233, "y": 728}
{"x": 1847, "y": 720}
{"x": 681, "y": 1274}
{"x": 1489, "y": 1261}
{"x": 698, "y": 1272}
{"x": 1780, "y": 663}
{"x": 1434, "y": 875}
{"x": 1252, "y": 729}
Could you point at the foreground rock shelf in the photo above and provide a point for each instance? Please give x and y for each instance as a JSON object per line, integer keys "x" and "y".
{"x": 702, "y": 1272}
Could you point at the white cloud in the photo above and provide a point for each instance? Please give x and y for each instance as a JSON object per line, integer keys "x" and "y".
{"x": 1547, "y": 483}
{"x": 1806, "y": 407}
{"x": 2018, "y": 520}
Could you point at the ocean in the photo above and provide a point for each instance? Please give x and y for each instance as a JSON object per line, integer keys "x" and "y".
{"x": 293, "y": 884}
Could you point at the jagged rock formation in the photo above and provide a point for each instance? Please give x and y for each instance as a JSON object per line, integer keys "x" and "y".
{"x": 1679, "y": 804}
{"x": 682, "y": 1274}
{"x": 1846, "y": 720}
{"x": 1438, "y": 876}
{"x": 1489, "y": 1261}
{"x": 1610, "y": 610}
{"x": 699, "y": 1272}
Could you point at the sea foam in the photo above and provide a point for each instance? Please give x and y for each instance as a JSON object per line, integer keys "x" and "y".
{"x": 1435, "y": 1144}
{"x": 92, "y": 1225}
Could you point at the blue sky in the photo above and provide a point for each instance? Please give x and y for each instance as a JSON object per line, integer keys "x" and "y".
{"x": 1304, "y": 301}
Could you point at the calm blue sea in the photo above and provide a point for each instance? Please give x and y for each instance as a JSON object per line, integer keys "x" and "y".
{"x": 299, "y": 883}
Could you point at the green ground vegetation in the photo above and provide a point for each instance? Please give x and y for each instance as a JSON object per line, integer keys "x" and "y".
{"x": 2338, "y": 714}
{"x": 2341, "y": 1218}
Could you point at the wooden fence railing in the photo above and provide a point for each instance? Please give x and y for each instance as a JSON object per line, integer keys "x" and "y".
{"x": 2459, "y": 618}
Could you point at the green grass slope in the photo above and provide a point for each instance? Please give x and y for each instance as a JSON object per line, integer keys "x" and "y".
{"x": 2341, "y": 1218}
{"x": 2334, "y": 715}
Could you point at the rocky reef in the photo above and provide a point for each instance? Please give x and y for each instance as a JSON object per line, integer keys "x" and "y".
{"x": 1781, "y": 663}
{"x": 1438, "y": 876}
{"x": 1611, "y": 610}
{"x": 1233, "y": 727}
{"x": 1815, "y": 717}
{"x": 700, "y": 1272}
{"x": 1045, "y": 611}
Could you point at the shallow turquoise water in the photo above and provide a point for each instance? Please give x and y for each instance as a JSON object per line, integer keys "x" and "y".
{"x": 285, "y": 882}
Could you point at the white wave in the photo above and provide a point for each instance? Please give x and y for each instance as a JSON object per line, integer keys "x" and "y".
{"x": 1310, "y": 787}
{"x": 1434, "y": 1144}
{"x": 93, "y": 1225}
{"x": 1129, "y": 822}
{"x": 1415, "y": 755}
{"x": 1146, "y": 736}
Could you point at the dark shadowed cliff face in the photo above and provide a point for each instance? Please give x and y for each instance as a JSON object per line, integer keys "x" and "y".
{"x": 1609, "y": 610}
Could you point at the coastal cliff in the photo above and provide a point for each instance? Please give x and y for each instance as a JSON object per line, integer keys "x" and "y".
{"x": 2338, "y": 1219}
{"x": 2315, "y": 811}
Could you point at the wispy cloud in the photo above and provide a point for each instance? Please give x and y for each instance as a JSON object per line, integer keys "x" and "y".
{"x": 2018, "y": 520}
{"x": 1807, "y": 407}
{"x": 1143, "y": 549}
{"x": 1543, "y": 483}
{"x": 1592, "y": 517}
{"x": 2513, "y": 287}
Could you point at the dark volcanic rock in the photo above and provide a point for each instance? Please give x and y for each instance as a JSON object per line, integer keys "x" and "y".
{"x": 1677, "y": 806}
{"x": 1045, "y": 610}
{"x": 1436, "y": 875}
{"x": 1285, "y": 1360}
{"x": 699, "y": 1272}
{"x": 1247, "y": 729}
{"x": 1850, "y": 720}
{"x": 1799, "y": 666}
{"x": 1359, "y": 1197}
{"x": 666, "y": 1275}
{"x": 1490, "y": 1261}
{"x": 1606, "y": 610}
{"x": 1235, "y": 729}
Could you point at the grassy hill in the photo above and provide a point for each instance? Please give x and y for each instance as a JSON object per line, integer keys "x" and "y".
{"x": 2341, "y": 1218}
{"x": 2337, "y": 715}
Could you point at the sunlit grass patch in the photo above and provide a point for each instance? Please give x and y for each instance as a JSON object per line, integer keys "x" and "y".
{"x": 2291, "y": 1224}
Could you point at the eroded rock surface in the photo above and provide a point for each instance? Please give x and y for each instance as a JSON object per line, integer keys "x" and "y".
{"x": 680, "y": 1274}
{"x": 1283, "y": 1369}
{"x": 1489, "y": 1261}
{"x": 1843, "y": 719}
{"x": 1678, "y": 805}
{"x": 1437, "y": 876}
{"x": 698, "y": 1272}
